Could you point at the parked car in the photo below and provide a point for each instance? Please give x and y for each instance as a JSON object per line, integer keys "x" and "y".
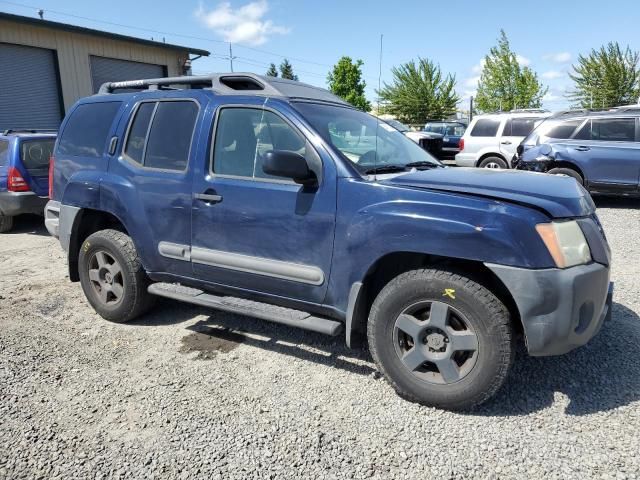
{"x": 491, "y": 140}
{"x": 185, "y": 194}
{"x": 452, "y": 132}
{"x": 601, "y": 150}
{"x": 431, "y": 142}
{"x": 24, "y": 173}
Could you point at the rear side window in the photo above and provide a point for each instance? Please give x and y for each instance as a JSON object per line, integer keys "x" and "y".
{"x": 86, "y": 131}
{"x": 35, "y": 154}
{"x": 433, "y": 128}
{"x": 166, "y": 145}
{"x": 4, "y": 153}
{"x": 485, "y": 128}
{"x": 453, "y": 130}
{"x": 560, "y": 131}
{"x": 519, "y": 127}
{"x": 609, "y": 130}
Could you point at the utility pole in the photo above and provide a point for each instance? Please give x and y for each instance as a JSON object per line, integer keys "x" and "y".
{"x": 470, "y": 108}
{"x": 231, "y": 57}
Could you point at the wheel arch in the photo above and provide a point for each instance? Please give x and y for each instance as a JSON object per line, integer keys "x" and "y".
{"x": 386, "y": 268}
{"x": 490, "y": 154}
{"x": 569, "y": 165}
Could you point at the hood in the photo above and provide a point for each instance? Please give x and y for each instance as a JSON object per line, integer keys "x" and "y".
{"x": 559, "y": 196}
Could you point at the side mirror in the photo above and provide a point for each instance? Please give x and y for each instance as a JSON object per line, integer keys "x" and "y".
{"x": 283, "y": 163}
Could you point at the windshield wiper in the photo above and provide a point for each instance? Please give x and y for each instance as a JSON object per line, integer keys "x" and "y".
{"x": 424, "y": 164}
{"x": 385, "y": 169}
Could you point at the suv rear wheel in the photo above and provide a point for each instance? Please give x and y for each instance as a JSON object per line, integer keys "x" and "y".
{"x": 6, "y": 223}
{"x": 493, "y": 162}
{"x": 440, "y": 338}
{"x": 112, "y": 276}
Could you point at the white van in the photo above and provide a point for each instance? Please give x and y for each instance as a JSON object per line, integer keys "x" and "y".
{"x": 491, "y": 140}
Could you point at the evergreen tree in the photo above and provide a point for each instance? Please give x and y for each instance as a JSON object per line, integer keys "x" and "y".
{"x": 286, "y": 70}
{"x": 273, "y": 71}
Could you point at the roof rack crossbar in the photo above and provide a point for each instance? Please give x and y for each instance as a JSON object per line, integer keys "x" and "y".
{"x": 149, "y": 83}
{"x": 28, "y": 130}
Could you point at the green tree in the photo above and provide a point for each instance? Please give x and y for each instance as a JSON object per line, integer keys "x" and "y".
{"x": 345, "y": 80}
{"x": 273, "y": 71}
{"x": 607, "y": 77}
{"x": 505, "y": 84}
{"x": 419, "y": 92}
{"x": 286, "y": 70}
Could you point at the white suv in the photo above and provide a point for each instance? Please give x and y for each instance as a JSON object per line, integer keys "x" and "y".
{"x": 490, "y": 141}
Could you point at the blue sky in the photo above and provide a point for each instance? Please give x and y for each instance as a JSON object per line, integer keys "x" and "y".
{"x": 547, "y": 35}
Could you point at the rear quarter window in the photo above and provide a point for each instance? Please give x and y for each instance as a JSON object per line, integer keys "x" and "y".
{"x": 485, "y": 128}
{"x": 35, "y": 154}
{"x": 86, "y": 131}
{"x": 519, "y": 127}
{"x": 4, "y": 153}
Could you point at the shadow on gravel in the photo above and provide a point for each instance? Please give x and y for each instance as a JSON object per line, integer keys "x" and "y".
{"x": 603, "y": 201}
{"x": 32, "y": 224}
{"x": 169, "y": 312}
{"x": 601, "y": 376}
{"x": 314, "y": 347}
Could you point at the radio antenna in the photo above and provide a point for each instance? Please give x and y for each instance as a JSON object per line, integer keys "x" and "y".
{"x": 375, "y": 160}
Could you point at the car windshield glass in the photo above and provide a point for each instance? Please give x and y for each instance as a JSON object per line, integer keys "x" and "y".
{"x": 368, "y": 143}
{"x": 401, "y": 127}
{"x": 36, "y": 153}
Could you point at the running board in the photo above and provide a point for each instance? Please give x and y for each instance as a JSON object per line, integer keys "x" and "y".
{"x": 265, "y": 311}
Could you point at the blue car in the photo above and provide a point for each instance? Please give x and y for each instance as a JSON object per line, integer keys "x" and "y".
{"x": 275, "y": 199}
{"x": 24, "y": 173}
{"x": 600, "y": 150}
{"x": 452, "y": 132}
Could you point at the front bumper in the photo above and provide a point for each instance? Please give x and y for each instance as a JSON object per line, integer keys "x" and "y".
{"x": 18, "y": 203}
{"x": 540, "y": 166}
{"x": 560, "y": 309}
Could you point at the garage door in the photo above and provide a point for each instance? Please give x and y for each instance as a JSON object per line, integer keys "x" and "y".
{"x": 113, "y": 70}
{"x": 29, "y": 88}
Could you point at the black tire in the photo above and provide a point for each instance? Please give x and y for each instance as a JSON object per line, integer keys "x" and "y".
{"x": 122, "y": 267}
{"x": 6, "y": 224}
{"x": 486, "y": 317}
{"x": 493, "y": 162}
{"x": 569, "y": 172}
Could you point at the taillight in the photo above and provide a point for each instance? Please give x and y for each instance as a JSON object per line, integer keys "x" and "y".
{"x": 461, "y": 144}
{"x": 15, "y": 182}
{"x": 51, "y": 162}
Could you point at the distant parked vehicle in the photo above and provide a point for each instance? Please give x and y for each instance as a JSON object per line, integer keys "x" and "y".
{"x": 491, "y": 140}
{"x": 601, "y": 150}
{"x": 452, "y": 132}
{"x": 24, "y": 173}
{"x": 431, "y": 142}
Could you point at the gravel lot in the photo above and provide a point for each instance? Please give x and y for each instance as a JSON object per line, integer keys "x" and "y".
{"x": 186, "y": 392}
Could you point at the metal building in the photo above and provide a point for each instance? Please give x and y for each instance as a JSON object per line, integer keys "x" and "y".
{"x": 46, "y": 66}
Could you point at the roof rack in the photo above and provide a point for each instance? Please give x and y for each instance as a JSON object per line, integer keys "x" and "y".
{"x": 626, "y": 108}
{"x": 230, "y": 84}
{"x": 28, "y": 130}
{"x": 529, "y": 110}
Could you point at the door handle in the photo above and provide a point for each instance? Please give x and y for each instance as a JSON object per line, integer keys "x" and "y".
{"x": 582, "y": 148}
{"x": 208, "y": 197}
{"x": 505, "y": 143}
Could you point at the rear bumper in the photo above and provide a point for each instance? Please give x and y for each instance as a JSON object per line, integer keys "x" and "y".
{"x": 52, "y": 218}
{"x": 59, "y": 220}
{"x": 18, "y": 203}
{"x": 560, "y": 309}
{"x": 466, "y": 160}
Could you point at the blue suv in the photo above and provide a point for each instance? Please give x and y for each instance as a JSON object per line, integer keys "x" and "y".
{"x": 601, "y": 150}
{"x": 24, "y": 173}
{"x": 276, "y": 199}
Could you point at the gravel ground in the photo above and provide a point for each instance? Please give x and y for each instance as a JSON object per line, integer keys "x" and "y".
{"x": 186, "y": 392}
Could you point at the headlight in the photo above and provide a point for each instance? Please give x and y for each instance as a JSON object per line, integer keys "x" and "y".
{"x": 565, "y": 242}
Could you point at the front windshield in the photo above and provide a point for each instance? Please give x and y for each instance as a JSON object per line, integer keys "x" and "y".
{"x": 368, "y": 143}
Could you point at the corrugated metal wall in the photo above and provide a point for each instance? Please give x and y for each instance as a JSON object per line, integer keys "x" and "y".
{"x": 29, "y": 88}
{"x": 112, "y": 70}
{"x": 74, "y": 50}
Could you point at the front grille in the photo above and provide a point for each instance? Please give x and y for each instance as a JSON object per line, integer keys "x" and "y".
{"x": 431, "y": 145}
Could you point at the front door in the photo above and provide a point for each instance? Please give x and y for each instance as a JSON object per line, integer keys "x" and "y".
{"x": 255, "y": 232}
{"x": 514, "y": 131}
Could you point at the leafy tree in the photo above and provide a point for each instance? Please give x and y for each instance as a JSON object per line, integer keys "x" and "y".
{"x": 419, "y": 92}
{"x": 505, "y": 84}
{"x": 273, "y": 71}
{"x": 345, "y": 80}
{"x": 607, "y": 77}
{"x": 286, "y": 70}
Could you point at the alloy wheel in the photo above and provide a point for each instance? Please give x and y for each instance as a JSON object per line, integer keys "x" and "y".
{"x": 105, "y": 275}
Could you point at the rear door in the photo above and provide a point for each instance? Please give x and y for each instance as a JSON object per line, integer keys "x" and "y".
{"x": 514, "y": 131}
{"x": 608, "y": 152}
{"x": 483, "y": 137}
{"x": 34, "y": 155}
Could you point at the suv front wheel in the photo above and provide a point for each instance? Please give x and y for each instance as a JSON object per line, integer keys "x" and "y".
{"x": 112, "y": 276}
{"x": 440, "y": 338}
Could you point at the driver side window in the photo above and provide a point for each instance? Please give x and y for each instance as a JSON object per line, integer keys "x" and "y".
{"x": 244, "y": 135}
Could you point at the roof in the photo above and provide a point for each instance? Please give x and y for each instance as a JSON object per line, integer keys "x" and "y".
{"x": 623, "y": 111}
{"x": 99, "y": 33}
{"x": 234, "y": 83}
